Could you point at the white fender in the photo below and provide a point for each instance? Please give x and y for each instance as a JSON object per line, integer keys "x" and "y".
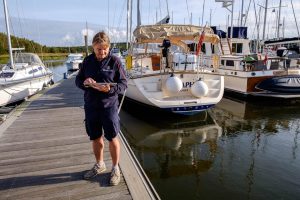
{"x": 199, "y": 89}
{"x": 173, "y": 85}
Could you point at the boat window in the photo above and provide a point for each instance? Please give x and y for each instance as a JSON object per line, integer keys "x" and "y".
{"x": 40, "y": 68}
{"x": 203, "y": 49}
{"x": 222, "y": 62}
{"x": 237, "y": 48}
{"x": 229, "y": 63}
{"x": 32, "y": 71}
{"x": 6, "y": 74}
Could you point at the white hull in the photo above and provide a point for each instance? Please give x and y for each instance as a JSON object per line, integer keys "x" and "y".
{"x": 14, "y": 92}
{"x": 72, "y": 66}
{"x": 149, "y": 91}
{"x": 244, "y": 82}
{"x": 73, "y": 61}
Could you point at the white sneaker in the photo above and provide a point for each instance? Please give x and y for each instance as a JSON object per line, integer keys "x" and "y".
{"x": 94, "y": 171}
{"x": 115, "y": 176}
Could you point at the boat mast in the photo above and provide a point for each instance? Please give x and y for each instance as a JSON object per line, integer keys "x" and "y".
{"x": 265, "y": 19}
{"x": 138, "y": 13}
{"x": 203, "y": 12}
{"x": 128, "y": 22}
{"x": 279, "y": 16}
{"x": 242, "y": 13}
{"x": 8, "y": 34}
{"x": 86, "y": 36}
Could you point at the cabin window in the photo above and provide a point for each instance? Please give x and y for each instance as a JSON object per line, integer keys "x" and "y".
{"x": 237, "y": 48}
{"x": 6, "y": 74}
{"x": 212, "y": 48}
{"x": 222, "y": 62}
{"x": 229, "y": 63}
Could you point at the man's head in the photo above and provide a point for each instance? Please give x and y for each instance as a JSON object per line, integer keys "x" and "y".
{"x": 101, "y": 45}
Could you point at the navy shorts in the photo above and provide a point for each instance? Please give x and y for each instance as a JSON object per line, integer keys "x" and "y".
{"x": 96, "y": 119}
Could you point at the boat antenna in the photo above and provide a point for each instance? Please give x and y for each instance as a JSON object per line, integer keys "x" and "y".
{"x": 8, "y": 34}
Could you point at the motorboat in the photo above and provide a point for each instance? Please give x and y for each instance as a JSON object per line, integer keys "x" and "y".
{"x": 23, "y": 76}
{"x": 287, "y": 87}
{"x": 245, "y": 73}
{"x": 73, "y": 61}
{"x": 167, "y": 74}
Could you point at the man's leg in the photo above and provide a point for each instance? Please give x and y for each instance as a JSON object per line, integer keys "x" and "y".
{"x": 99, "y": 167}
{"x": 114, "y": 148}
{"x": 98, "y": 146}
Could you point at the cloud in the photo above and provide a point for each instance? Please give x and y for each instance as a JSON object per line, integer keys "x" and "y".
{"x": 67, "y": 38}
{"x": 116, "y": 35}
{"x": 88, "y": 32}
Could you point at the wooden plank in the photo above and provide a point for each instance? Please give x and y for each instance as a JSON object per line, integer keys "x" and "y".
{"x": 44, "y": 151}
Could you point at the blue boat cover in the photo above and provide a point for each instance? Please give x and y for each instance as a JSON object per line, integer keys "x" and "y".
{"x": 282, "y": 84}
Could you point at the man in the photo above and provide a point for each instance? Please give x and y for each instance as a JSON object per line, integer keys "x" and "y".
{"x": 102, "y": 78}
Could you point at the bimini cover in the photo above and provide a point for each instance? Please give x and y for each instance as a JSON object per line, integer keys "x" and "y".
{"x": 177, "y": 34}
{"x": 282, "y": 84}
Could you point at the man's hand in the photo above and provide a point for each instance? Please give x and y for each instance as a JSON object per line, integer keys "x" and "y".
{"x": 101, "y": 87}
{"x": 88, "y": 82}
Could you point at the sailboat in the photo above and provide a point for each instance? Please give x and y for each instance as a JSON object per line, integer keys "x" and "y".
{"x": 23, "y": 76}
{"x": 165, "y": 73}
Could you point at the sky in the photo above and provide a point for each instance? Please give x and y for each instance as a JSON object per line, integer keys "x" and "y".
{"x": 62, "y": 22}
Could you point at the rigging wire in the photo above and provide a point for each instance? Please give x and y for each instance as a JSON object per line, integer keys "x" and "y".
{"x": 17, "y": 5}
{"x": 120, "y": 20}
{"x": 295, "y": 18}
{"x": 22, "y": 35}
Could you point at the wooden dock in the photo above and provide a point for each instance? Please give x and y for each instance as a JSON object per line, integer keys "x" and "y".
{"x": 44, "y": 152}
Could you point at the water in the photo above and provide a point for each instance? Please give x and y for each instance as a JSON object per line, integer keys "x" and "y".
{"x": 237, "y": 150}
{"x": 58, "y": 70}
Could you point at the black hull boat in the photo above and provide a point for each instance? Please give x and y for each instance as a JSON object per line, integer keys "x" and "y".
{"x": 282, "y": 87}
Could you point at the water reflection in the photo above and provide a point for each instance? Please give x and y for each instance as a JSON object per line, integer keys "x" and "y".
{"x": 172, "y": 146}
{"x": 236, "y": 116}
{"x": 239, "y": 150}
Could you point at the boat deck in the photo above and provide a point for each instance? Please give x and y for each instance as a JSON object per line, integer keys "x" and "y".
{"x": 44, "y": 152}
